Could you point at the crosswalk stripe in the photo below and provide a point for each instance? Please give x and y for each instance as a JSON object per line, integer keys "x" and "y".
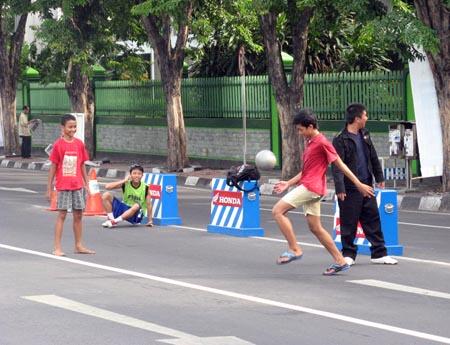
{"x": 399, "y": 287}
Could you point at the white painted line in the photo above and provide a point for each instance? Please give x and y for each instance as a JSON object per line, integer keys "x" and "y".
{"x": 426, "y": 212}
{"x": 189, "y": 228}
{"x": 256, "y": 237}
{"x": 402, "y": 223}
{"x": 306, "y": 244}
{"x": 399, "y": 287}
{"x": 425, "y": 225}
{"x": 423, "y": 261}
{"x": 183, "y": 338}
{"x": 241, "y": 296}
{"x": 284, "y": 241}
{"x": 24, "y": 190}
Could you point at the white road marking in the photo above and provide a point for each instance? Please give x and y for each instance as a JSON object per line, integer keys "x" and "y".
{"x": 423, "y": 261}
{"x": 24, "y": 190}
{"x": 399, "y": 287}
{"x": 402, "y": 223}
{"x": 182, "y": 337}
{"x": 306, "y": 244}
{"x": 189, "y": 228}
{"x": 284, "y": 241}
{"x": 240, "y": 296}
{"x": 257, "y": 237}
{"x": 425, "y": 225}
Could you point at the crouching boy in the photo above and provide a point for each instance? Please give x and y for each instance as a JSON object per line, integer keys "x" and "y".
{"x": 136, "y": 201}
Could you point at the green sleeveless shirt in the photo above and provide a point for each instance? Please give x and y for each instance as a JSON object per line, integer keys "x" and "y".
{"x": 132, "y": 195}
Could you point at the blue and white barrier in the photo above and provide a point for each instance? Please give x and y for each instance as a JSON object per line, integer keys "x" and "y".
{"x": 234, "y": 212}
{"x": 163, "y": 191}
{"x": 388, "y": 209}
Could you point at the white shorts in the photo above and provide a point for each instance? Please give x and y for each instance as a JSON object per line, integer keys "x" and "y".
{"x": 301, "y": 196}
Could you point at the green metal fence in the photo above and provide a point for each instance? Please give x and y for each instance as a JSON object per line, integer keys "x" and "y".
{"x": 129, "y": 99}
{"x": 221, "y": 97}
{"x": 383, "y": 93}
{"x": 327, "y": 94}
{"x": 49, "y": 99}
{"x": 19, "y": 98}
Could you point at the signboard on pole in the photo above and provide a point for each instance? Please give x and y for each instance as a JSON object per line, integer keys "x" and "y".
{"x": 428, "y": 123}
{"x": 241, "y": 65}
{"x": 80, "y": 126}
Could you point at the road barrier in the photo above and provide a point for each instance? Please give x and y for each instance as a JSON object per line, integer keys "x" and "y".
{"x": 235, "y": 212}
{"x": 163, "y": 191}
{"x": 388, "y": 209}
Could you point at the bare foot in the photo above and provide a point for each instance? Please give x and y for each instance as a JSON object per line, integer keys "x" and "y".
{"x": 83, "y": 250}
{"x": 149, "y": 224}
{"x": 58, "y": 253}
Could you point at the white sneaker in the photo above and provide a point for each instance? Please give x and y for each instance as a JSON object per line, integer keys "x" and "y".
{"x": 349, "y": 260}
{"x": 384, "y": 260}
{"x": 109, "y": 224}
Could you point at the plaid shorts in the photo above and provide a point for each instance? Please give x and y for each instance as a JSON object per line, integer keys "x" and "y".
{"x": 71, "y": 199}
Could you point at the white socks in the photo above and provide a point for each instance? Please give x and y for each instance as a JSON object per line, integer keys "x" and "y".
{"x": 111, "y": 217}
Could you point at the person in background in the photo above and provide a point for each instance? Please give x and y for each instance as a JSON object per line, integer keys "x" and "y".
{"x": 25, "y": 132}
{"x": 354, "y": 146}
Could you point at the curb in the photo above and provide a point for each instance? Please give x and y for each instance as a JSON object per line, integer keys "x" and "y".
{"x": 438, "y": 203}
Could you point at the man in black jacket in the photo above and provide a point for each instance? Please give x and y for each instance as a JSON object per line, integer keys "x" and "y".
{"x": 354, "y": 146}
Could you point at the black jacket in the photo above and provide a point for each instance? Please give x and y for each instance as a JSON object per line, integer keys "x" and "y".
{"x": 346, "y": 149}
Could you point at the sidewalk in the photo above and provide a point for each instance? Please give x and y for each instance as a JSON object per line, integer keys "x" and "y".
{"x": 424, "y": 197}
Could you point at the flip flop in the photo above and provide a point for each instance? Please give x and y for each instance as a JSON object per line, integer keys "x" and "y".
{"x": 290, "y": 257}
{"x": 85, "y": 252}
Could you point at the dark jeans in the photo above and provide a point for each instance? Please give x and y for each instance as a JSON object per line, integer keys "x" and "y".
{"x": 26, "y": 146}
{"x": 355, "y": 207}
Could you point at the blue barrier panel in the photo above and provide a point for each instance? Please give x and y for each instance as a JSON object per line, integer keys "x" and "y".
{"x": 234, "y": 212}
{"x": 387, "y": 207}
{"x": 163, "y": 191}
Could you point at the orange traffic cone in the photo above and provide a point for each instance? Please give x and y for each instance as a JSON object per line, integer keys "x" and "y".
{"x": 94, "y": 205}
{"x": 53, "y": 203}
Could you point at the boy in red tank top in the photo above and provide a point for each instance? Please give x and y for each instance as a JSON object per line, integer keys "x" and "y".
{"x": 310, "y": 187}
{"x": 71, "y": 182}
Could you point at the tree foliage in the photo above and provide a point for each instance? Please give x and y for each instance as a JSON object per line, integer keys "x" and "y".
{"x": 343, "y": 36}
{"x": 219, "y": 29}
{"x": 370, "y": 27}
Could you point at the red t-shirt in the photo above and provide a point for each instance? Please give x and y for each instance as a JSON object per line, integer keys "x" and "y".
{"x": 318, "y": 154}
{"x": 69, "y": 158}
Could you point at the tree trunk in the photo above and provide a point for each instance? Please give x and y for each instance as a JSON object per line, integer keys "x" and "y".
{"x": 288, "y": 96}
{"x": 436, "y": 15}
{"x": 176, "y": 132}
{"x": 10, "y": 50}
{"x": 291, "y": 142}
{"x": 81, "y": 95}
{"x": 170, "y": 61}
{"x": 10, "y": 132}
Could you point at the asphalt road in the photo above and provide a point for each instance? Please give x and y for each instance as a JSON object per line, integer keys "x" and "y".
{"x": 182, "y": 285}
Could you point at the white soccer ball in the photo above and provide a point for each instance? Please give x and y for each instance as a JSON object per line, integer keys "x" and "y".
{"x": 265, "y": 160}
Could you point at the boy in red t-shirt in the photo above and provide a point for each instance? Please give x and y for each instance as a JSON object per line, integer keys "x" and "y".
{"x": 310, "y": 187}
{"x": 68, "y": 169}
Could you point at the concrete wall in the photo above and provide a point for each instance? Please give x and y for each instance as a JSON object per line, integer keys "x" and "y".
{"x": 209, "y": 143}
